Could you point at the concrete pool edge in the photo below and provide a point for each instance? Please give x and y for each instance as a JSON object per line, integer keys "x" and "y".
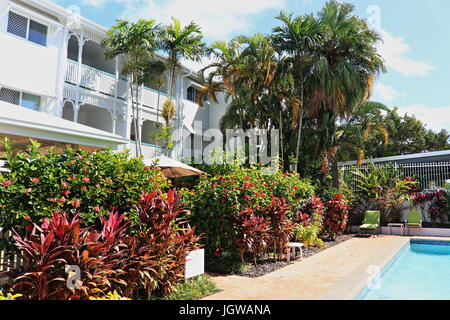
{"x": 351, "y": 287}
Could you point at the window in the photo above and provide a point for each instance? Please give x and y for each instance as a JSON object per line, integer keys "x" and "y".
{"x": 27, "y": 28}
{"x": 17, "y": 24}
{"x": 10, "y": 96}
{"x": 192, "y": 94}
{"x": 23, "y": 99}
{"x": 31, "y": 101}
{"x": 38, "y": 33}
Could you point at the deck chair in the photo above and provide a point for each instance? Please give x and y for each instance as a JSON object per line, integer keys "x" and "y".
{"x": 372, "y": 222}
{"x": 414, "y": 221}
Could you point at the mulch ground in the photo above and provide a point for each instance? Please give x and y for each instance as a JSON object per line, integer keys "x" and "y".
{"x": 269, "y": 266}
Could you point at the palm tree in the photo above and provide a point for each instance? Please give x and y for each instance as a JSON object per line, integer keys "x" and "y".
{"x": 366, "y": 120}
{"x": 345, "y": 65}
{"x": 137, "y": 43}
{"x": 298, "y": 38}
{"x": 181, "y": 43}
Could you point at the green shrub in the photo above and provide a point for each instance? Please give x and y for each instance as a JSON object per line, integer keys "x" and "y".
{"x": 308, "y": 222}
{"x": 225, "y": 262}
{"x": 308, "y": 235}
{"x": 193, "y": 289}
{"x": 89, "y": 184}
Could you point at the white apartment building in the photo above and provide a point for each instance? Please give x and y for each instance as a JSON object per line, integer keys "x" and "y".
{"x": 56, "y": 85}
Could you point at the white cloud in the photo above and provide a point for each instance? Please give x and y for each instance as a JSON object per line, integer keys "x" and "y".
{"x": 435, "y": 118}
{"x": 386, "y": 92}
{"x": 394, "y": 50}
{"x": 218, "y": 19}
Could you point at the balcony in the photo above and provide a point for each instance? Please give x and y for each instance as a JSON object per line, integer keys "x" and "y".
{"x": 96, "y": 80}
{"x": 149, "y": 151}
{"x": 102, "y": 82}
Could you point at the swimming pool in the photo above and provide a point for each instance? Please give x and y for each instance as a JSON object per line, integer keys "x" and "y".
{"x": 421, "y": 271}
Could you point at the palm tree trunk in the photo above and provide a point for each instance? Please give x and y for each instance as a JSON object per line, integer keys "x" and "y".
{"x": 300, "y": 122}
{"x": 138, "y": 135}
{"x": 335, "y": 172}
{"x": 133, "y": 109}
{"x": 158, "y": 105}
{"x": 281, "y": 137}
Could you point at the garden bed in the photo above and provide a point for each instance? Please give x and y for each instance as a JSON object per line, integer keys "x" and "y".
{"x": 269, "y": 266}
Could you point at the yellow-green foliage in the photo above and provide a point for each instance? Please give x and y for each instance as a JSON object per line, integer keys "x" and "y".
{"x": 308, "y": 235}
{"x": 9, "y": 296}
{"x": 110, "y": 296}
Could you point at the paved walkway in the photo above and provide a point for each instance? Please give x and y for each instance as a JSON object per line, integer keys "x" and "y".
{"x": 340, "y": 273}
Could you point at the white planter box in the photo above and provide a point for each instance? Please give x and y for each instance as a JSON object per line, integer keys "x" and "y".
{"x": 195, "y": 264}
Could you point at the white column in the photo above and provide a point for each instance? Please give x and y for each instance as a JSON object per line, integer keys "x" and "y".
{"x": 114, "y": 122}
{"x": 62, "y": 69}
{"x": 76, "y": 108}
{"x": 81, "y": 42}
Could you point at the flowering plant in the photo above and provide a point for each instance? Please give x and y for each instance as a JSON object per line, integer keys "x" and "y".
{"x": 77, "y": 182}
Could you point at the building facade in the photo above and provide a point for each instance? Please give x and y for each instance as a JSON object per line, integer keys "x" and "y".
{"x": 51, "y": 61}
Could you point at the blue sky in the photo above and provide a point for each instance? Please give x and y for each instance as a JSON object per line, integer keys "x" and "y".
{"x": 415, "y": 32}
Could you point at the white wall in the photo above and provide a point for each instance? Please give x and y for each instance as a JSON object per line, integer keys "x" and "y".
{"x": 29, "y": 67}
{"x": 217, "y": 111}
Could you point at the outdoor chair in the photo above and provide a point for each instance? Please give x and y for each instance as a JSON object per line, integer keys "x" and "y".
{"x": 372, "y": 222}
{"x": 414, "y": 221}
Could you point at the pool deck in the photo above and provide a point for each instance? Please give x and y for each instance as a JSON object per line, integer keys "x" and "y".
{"x": 339, "y": 273}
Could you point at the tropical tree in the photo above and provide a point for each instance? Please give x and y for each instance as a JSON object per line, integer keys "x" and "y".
{"x": 137, "y": 43}
{"x": 345, "y": 65}
{"x": 407, "y": 135}
{"x": 367, "y": 120}
{"x": 181, "y": 43}
{"x": 298, "y": 38}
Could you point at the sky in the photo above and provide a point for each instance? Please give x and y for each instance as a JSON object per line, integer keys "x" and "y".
{"x": 415, "y": 34}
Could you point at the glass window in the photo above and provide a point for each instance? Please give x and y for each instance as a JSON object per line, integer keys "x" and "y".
{"x": 17, "y": 24}
{"x": 192, "y": 94}
{"x": 38, "y": 33}
{"x": 31, "y": 101}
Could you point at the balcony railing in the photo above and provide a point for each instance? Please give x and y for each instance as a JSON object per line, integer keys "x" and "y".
{"x": 149, "y": 98}
{"x": 96, "y": 80}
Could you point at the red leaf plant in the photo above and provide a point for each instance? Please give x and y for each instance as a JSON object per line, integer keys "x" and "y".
{"x": 134, "y": 261}
{"x": 281, "y": 227}
{"x": 336, "y": 217}
{"x": 252, "y": 234}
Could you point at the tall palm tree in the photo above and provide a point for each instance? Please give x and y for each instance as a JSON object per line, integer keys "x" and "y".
{"x": 137, "y": 43}
{"x": 181, "y": 43}
{"x": 298, "y": 38}
{"x": 344, "y": 68}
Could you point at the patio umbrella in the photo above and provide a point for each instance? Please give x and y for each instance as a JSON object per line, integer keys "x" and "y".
{"x": 172, "y": 168}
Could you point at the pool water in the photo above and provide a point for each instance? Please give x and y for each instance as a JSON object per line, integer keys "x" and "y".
{"x": 420, "y": 272}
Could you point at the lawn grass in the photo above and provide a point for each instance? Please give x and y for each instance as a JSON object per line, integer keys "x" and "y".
{"x": 194, "y": 289}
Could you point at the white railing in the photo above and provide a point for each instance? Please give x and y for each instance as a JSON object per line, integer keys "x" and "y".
{"x": 96, "y": 80}
{"x": 149, "y": 98}
{"x": 72, "y": 72}
{"x": 148, "y": 151}
{"x": 431, "y": 175}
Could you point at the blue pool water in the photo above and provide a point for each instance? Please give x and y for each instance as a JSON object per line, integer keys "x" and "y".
{"x": 421, "y": 271}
